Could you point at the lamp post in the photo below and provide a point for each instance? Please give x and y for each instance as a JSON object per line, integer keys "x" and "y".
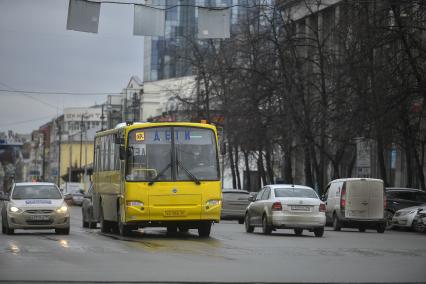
{"x": 59, "y": 155}
{"x": 82, "y": 127}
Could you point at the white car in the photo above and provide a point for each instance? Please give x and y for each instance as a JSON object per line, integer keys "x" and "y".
{"x": 283, "y": 206}
{"x": 404, "y": 218}
{"x": 35, "y": 206}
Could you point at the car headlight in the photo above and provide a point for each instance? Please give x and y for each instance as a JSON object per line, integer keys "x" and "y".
{"x": 63, "y": 209}
{"x": 404, "y": 213}
{"x": 135, "y": 203}
{"x": 15, "y": 209}
{"x": 212, "y": 202}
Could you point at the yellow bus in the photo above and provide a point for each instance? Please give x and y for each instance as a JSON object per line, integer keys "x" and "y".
{"x": 157, "y": 175}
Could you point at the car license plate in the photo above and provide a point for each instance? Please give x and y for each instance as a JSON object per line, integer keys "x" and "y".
{"x": 301, "y": 208}
{"x": 174, "y": 213}
{"x": 39, "y": 218}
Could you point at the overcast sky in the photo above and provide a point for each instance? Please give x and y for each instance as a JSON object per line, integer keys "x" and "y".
{"x": 37, "y": 53}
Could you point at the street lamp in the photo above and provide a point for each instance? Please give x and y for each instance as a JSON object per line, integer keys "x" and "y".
{"x": 82, "y": 126}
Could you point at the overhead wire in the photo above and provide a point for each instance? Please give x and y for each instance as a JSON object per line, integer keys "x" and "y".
{"x": 24, "y": 121}
{"x": 31, "y": 97}
{"x": 58, "y": 93}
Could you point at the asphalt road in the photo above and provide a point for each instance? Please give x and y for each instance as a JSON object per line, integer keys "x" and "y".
{"x": 230, "y": 255}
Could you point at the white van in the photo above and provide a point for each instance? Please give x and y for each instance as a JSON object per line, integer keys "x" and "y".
{"x": 356, "y": 203}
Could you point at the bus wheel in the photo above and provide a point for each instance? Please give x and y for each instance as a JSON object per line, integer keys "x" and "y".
{"x": 172, "y": 230}
{"x": 105, "y": 225}
{"x": 204, "y": 229}
{"x": 183, "y": 229}
{"x": 123, "y": 229}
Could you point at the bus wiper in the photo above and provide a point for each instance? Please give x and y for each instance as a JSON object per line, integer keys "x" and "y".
{"x": 191, "y": 175}
{"x": 157, "y": 177}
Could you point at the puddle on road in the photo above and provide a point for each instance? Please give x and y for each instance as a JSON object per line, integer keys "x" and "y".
{"x": 154, "y": 241}
{"x": 13, "y": 248}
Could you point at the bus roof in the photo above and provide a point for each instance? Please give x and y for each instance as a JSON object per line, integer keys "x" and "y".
{"x": 137, "y": 125}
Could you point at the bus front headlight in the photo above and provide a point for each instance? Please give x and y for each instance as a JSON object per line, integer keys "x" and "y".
{"x": 212, "y": 202}
{"x": 135, "y": 203}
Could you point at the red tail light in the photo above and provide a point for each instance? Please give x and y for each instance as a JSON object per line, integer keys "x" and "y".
{"x": 322, "y": 207}
{"x": 343, "y": 198}
{"x": 277, "y": 206}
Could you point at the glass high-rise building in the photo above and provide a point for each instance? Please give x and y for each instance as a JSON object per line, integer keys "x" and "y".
{"x": 170, "y": 56}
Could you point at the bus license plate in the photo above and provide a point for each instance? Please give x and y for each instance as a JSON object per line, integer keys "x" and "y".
{"x": 174, "y": 213}
{"x": 39, "y": 218}
{"x": 301, "y": 208}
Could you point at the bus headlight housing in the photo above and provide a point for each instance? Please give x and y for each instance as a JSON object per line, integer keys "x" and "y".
{"x": 212, "y": 202}
{"x": 135, "y": 203}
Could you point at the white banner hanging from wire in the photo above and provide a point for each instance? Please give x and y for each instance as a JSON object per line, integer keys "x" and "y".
{"x": 83, "y": 16}
{"x": 148, "y": 21}
{"x": 214, "y": 23}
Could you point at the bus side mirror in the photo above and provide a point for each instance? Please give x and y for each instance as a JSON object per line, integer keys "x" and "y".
{"x": 122, "y": 152}
{"x": 119, "y": 140}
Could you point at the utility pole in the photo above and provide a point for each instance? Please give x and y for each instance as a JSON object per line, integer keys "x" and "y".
{"x": 59, "y": 155}
{"x": 81, "y": 139}
{"x": 102, "y": 117}
{"x": 70, "y": 164}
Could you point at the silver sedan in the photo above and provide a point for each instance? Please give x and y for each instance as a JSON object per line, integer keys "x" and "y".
{"x": 35, "y": 206}
{"x": 282, "y": 206}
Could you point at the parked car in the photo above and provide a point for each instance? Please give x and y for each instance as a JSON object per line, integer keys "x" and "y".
{"x": 89, "y": 220}
{"x": 420, "y": 220}
{"x": 283, "y": 206}
{"x": 35, "y": 206}
{"x": 405, "y": 218}
{"x": 234, "y": 204}
{"x": 77, "y": 197}
{"x": 400, "y": 198}
{"x": 356, "y": 203}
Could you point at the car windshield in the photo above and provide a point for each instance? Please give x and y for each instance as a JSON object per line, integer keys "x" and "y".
{"x": 172, "y": 153}
{"x": 36, "y": 192}
{"x": 295, "y": 192}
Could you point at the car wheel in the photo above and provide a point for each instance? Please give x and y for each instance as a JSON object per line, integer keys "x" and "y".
{"x": 298, "y": 231}
{"x": 381, "y": 228}
{"x": 63, "y": 231}
{"x": 266, "y": 228}
{"x": 249, "y": 228}
{"x": 92, "y": 224}
{"x": 241, "y": 221}
{"x": 388, "y": 218}
{"x": 337, "y": 226}
{"x": 5, "y": 227}
{"x": 105, "y": 225}
{"x": 204, "y": 229}
{"x": 172, "y": 230}
{"x": 414, "y": 226}
{"x": 84, "y": 223}
{"x": 319, "y": 232}
{"x": 361, "y": 229}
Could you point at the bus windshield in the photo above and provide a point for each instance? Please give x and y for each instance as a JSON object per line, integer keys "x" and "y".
{"x": 172, "y": 154}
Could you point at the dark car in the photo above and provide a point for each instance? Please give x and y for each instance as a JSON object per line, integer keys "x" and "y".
{"x": 87, "y": 210}
{"x": 400, "y": 198}
{"x": 234, "y": 204}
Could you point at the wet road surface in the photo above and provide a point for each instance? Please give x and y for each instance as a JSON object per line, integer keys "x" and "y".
{"x": 230, "y": 255}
